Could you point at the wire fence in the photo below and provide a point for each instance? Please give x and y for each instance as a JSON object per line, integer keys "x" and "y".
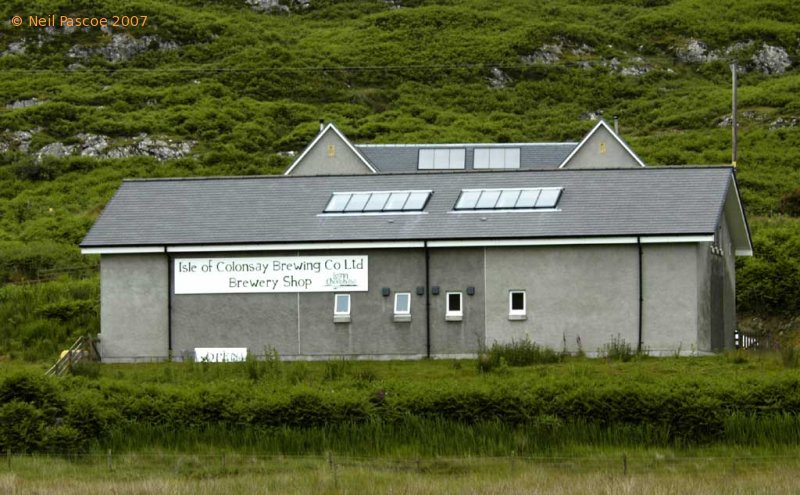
{"x": 178, "y": 462}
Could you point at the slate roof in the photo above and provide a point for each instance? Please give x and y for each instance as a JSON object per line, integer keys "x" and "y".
{"x": 389, "y": 158}
{"x": 278, "y": 209}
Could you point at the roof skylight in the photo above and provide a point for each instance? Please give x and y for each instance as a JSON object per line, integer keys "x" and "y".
{"x": 377, "y": 201}
{"x": 508, "y": 199}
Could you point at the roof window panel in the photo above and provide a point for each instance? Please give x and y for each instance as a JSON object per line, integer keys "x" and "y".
{"x": 467, "y": 200}
{"x": 376, "y": 201}
{"x": 357, "y": 202}
{"x": 338, "y": 202}
{"x": 488, "y": 199}
{"x": 548, "y": 198}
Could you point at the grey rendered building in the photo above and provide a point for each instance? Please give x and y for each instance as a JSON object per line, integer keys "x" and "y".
{"x": 407, "y": 251}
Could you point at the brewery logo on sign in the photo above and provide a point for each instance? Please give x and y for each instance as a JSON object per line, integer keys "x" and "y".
{"x": 338, "y": 280}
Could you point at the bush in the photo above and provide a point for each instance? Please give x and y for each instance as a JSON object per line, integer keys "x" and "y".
{"x": 790, "y": 203}
{"x": 516, "y": 353}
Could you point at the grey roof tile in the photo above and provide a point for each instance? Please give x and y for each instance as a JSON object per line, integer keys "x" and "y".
{"x": 276, "y": 209}
{"x": 403, "y": 157}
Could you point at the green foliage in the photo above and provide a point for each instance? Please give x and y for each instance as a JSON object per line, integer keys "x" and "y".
{"x": 619, "y": 350}
{"x": 790, "y": 203}
{"x": 522, "y": 352}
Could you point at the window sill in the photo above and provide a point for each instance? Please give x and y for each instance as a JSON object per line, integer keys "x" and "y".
{"x": 402, "y": 318}
{"x": 517, "y": 317}
{"x": 341, "y": 319}
{"x": 453, "y": 317}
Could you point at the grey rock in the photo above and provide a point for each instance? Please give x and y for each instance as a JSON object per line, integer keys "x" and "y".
{"x": 92, "y": 144}
{"x": 771, "y": 60}
{"x": 593, "y": 116}
{"x": 547, "y": 54}
{"x": 584, "y": 49}
{"x": 781, "y": 122}
{"x": 267, "y": 5}
{"x": 498, "y": 78}
{"x": 75, "y": 66}
{"x": 122, "y": 47}
{"x": 57, "y": 150}
{"x": 696, "y": 52}
{"x": 739, "y": 47}
{"x": 15, "y": 48}
{"x": 30, "y": 102}
{"x": 22, "y": 139}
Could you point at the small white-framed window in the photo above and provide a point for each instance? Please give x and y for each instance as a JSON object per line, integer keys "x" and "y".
{"x": 341, "y": 308}
{"x": 517, "y": 305}
{"x": 455, "y": 306}
{"x": 402, "y": 306}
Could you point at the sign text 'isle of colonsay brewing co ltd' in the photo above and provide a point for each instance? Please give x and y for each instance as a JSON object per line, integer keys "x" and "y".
{"x": 266, "y": 274}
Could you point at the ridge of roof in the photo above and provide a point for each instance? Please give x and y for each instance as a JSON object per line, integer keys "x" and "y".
{"x": 432, "y": 172}
{"x": 468, "y": 145}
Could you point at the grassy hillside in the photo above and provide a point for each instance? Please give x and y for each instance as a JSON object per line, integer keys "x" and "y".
{"x": 218, "y": 88}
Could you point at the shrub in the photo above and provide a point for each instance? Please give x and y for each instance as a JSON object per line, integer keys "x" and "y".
{"x": 516, "y": 353}
{"x": 618, "y": 350}
{"x": 22, "y": 427}
{"x": 790, "y": 203}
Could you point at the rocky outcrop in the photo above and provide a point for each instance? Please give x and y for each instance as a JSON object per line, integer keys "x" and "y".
{"x": 771, "y": 60}
{"x": 498, "y": 78}
{"x": 15, "y": 48}
{"x": 696, "y": 52}
{"x": 30, "y": 102}
{"x": 547, "y": 54}
{"x": 99, "y": 146}
{"x": 278, "y": 5}
{"x": 768, "y": 59}
{"x": 122, "y": 47}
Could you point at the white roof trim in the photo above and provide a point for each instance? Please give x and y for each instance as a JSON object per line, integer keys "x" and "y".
{"x": 124, "y": 250}
{"x": 462, "y": 145}
{"x": 567, "y": 241}
{"x": 295, "y": 246}
{"x": 342, "y": 137}
{"x": 310, "y": 246}
{"x": 588, "y": 136}
{"x": 748, "y": 249}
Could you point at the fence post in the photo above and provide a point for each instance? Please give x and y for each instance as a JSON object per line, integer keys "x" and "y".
{"x": 625, "y": 464}
{"x": 108, "y": 460}
{"x": 8, "y": 457}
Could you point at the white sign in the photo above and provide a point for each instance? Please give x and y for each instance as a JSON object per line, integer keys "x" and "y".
{"x": 259, "y": 274}
{"x": 220, "y": 354}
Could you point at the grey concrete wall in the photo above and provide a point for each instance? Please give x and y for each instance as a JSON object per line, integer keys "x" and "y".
{"x": 706, "y": 286}
{"x": 301, "y": 324}
{"x": 372, "y": 329}
{"x": 590, "y": 155}
{"x": 589, "y": 292}
{"x": 728, "y": 287}
{"x": 454, "y": 270}
{"x": 318, "y": 162}
{"x": 670, "y": 280}
{"x": 133, "y": 307}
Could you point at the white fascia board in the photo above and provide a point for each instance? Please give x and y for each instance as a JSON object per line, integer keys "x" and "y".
{"x": 124, "y": 250}
{"x": 672, "y": 239}
{"x": 572, "y": 241}
{"x": 740, "y": 214}
{"x": 600, "y": 124}
{"x": 304, "y": 246}
{"x": 324, "y": 131}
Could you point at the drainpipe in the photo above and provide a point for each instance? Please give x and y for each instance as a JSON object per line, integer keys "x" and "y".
{"x": 427, "y": 301}
{"x": 616, "y": 125}
{"x": 641, "y": 294}
{"x": 170, "y": 276}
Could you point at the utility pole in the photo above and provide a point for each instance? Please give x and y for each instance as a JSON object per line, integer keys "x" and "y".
{"x": 734, "y": 124}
